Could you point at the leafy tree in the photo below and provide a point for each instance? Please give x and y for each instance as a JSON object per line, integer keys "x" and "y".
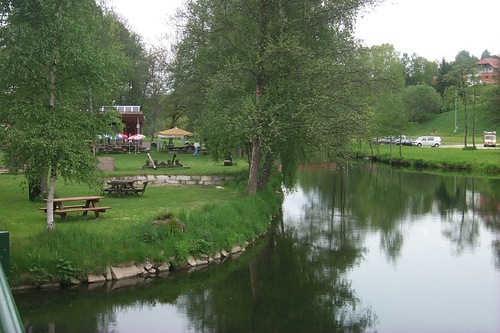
{"x": 135, "y": 74}
{"x": 485, "y": 54}
{"x": 421, "y": 102}
{"x": 464, "y": 59}
{"x": 419, "y": 70}
{"x": 157, "y": 86}
{"x": 59, "y": 62}
{"x": 278, "y": 77}
{"x": 385, "y": 94}
{"x": 492, "y": 101}
{"x": 443, "y": 80}
{"x": 463, "y": 74}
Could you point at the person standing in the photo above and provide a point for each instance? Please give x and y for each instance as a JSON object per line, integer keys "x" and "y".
{"x": 196, "y": 148}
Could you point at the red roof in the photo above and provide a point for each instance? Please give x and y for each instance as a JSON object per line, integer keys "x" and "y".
{"x": 492, "y": 61}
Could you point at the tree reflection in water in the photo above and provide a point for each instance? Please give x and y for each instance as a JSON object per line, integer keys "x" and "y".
{"x": 294, "y": 285}
{"x": 294, "y": 280}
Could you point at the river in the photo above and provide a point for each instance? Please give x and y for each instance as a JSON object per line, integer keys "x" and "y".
{"x": 363, "y": 248}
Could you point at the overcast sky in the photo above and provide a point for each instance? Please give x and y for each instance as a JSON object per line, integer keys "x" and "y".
{"x": 430, "y": 28}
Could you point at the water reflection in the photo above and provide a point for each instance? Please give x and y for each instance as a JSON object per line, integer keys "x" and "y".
{"x": 383, "y": 199}
{"x": 358, "y": 249}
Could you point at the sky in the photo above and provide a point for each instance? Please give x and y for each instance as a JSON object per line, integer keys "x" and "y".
{"x": 433, "y": 29}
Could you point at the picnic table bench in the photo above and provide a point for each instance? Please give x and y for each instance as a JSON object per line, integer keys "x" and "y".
{"x": 121, "y": 186}
{"x": 90, "y": 205}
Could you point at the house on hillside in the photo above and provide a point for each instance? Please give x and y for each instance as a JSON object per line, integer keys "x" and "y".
{"x": 489, "y": 69}
{"x": 132, "y": 118}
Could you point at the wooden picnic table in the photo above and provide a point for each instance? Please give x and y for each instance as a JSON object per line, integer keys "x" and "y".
{"x": 120, "y": 186}
{"x": 89, "y": 204}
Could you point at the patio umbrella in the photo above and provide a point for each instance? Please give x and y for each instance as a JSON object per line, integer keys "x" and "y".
{"x": 137, "y": 137}
{"x": 175, "y": 132}
{"x": 121, "y": 136}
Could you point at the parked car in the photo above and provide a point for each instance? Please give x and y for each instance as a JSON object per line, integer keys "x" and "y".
{"x": 429, "y": 141}
{"x": 392, "y": 140}
{"x": 399, "y": 140}
{"x": 386, "y": 141}
{"x": 407, "y": 142}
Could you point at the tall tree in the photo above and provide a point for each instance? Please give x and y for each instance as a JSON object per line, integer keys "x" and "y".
{"x": 157, "y": 86}
{"x": 134, "y": 77}
{"x": 443, "y": 80}
{"x": 276, "y": 76}
{"x": 421, "y": 102}
{"x": 419, "y": 70}
{"x": 464, "y": 74}
{"x": 59, "y": 62}
{"x": 485, "y": 54}
{"x": 387, "y": 84}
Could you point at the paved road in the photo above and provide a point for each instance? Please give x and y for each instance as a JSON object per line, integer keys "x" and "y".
{"x": 470, "y": 145}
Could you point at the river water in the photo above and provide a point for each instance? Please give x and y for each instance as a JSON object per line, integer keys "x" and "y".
{"x": 363, "y": 248}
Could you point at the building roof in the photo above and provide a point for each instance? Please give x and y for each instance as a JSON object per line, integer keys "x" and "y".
{"x": 492, "y": 61}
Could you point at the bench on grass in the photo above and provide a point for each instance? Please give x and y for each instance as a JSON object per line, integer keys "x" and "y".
{"x": 141, "y": 190}
{"x": 84, "y": 210}
{"x": 90, "y": 205}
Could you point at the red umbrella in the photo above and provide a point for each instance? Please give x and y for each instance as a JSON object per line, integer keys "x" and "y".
{"x": 137, "y": 137}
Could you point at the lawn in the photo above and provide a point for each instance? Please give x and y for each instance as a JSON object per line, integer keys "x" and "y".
{"x": 22, "y": 218}
{"x": 132, "y": 164}
{"x": 483, "y": 161}
{"x": 214, "y": 218}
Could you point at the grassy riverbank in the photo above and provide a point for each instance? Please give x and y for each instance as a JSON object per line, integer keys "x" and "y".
{"x": 479, "y": 161}
{"x": 204, "y": 220}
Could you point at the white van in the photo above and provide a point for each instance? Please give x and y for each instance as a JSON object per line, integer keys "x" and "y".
{"x": 490, "y": 139}
{"x": 430, "y": 141}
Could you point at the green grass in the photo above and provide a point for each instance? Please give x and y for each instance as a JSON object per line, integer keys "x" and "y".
{"x": 480, "y": 161}
{"x": 213, "y": 219}
{"x": 132, "y": 164}
{"x": 444, "y": 125}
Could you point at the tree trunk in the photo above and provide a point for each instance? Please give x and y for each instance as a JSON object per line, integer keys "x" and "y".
{"x": 253, "y": 174}
{"x": 156, "y": 112}
{"x": 44, "y": 184}
{"x": 253, "y": 177}
{"x": 53, "y": 166}
{"x": 474, "y": 116}
{"x": 50, "y": 199}
{"x": 34, "y": 189}
{"x": 464, "y": 100}
{"x": 266, "y": 172}
{"x": 465, "y": 125}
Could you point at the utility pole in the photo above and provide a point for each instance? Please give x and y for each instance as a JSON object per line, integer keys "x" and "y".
{"x": 456, "y": 97}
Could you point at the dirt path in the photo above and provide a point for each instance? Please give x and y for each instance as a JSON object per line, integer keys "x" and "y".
{"x": 106, "y": 163}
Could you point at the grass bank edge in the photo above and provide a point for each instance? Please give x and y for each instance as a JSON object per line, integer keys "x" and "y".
{"x": 72, "y": 253}
{"x": 484, "y": 162}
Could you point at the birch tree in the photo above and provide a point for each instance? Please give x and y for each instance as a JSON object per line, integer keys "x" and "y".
{"x": 59, "y": 60}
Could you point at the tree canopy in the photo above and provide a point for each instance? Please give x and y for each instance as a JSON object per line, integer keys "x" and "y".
{"x": 421, "y": 102}
{"x": 60, "y": 62}
{"x": 278, "y": 77}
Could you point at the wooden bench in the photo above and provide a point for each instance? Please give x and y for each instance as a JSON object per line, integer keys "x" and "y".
{"x": 120, "y": 186}
{"x": 89, "y": 206}
{"x": 65, "y": 207}
{"x": 84, "y": 210}
{"x": 143, "y": 189}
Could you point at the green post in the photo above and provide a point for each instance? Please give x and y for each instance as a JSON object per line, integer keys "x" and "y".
{"x": 10, "y": 321}
{"x": 4, "y": 252}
